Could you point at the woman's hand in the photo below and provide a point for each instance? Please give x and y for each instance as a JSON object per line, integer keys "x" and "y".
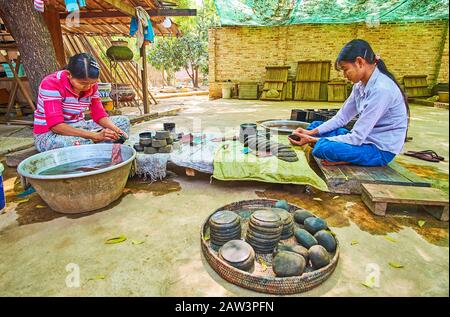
{"x": 105, "y": 135}
{"x": 120, "y": 132}
{"x": 300, "y": 131}
{"x": 304, "y": 139}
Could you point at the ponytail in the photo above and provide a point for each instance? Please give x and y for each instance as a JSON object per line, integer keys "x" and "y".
{"x": 382, "y": 68}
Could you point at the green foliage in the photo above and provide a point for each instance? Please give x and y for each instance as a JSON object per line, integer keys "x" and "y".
{"x": 165, "y": 54}
{"x": 190, "y": 51}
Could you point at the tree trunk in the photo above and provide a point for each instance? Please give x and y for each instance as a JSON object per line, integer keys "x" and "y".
{"x": 196, "y": 77}
{"x": 33, "y": 39}
{"x": 191, "y": 75}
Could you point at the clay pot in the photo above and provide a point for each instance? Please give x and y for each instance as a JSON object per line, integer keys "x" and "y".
{"x": 122, "y": 92}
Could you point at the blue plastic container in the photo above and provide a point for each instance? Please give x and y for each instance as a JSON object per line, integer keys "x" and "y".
{"x": 2, "y": 191}
{"x": 9, "y": 72}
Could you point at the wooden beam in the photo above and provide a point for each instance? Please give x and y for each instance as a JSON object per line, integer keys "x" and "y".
{"x": 51, "y": 18}
{"x": 173, "y": 12}
{"x": 122, "y": 6}
{"x": 121, "y": 14}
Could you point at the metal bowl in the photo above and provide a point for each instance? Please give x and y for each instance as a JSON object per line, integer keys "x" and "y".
{"x": 283, "y": 126}
{"x": 78, "y": 192}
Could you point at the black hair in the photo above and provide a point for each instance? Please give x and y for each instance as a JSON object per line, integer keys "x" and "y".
{"x": 360, "y": 48}
{"x": 83, "y": 66}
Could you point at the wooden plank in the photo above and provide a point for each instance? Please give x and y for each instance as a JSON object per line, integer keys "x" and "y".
{"x": 330, "y": 172}
{"x": 357, "y": 172}
{"x": 387, "y": 175}
{"x": 416, "y": 180}
{"x": 347, "y": 179}
{"x": 379, "y": 197}
{"x": 122, "y": 6}
{"x": 406, "y": 194}
{"x": 166, "y": 12}
{"x": 121, "y": 14}
{"x": 377, "y": 208}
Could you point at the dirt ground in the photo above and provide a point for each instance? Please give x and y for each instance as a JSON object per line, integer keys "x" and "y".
{"x": 42, "y": 252}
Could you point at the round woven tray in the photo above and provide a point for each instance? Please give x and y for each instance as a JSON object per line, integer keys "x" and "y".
{"x": 263, "y": 279}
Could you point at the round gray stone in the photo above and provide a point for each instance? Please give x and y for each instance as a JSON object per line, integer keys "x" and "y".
{"x": 288, "y": 264}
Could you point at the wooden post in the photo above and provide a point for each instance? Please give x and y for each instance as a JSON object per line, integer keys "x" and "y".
{"x": 13, "y": 96}
{"x": 145, "y": 79}
{"x": 20, "y": 84}
{"x": 51, "y": 18}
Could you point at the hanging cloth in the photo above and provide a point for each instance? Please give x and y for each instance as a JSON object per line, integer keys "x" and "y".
{"x": 143, "y": 26}
{"x": 74, "y": 5}
{"x": 39, "y": 5}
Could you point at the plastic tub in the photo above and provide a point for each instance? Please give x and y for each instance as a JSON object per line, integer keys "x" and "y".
{"x": 81, "y": 191}
{"x": 226, "y": 90}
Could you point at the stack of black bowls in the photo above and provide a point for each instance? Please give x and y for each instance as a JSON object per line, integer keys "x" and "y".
{"x": 224, "y": 226}
{"x": 264, "y": 231}
{"x": 288, "y": 222}
{"x": 246, "y": 130}
{"x": 238, "y": 254}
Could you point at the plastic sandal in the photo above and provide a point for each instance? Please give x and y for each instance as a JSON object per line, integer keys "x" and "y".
{"x": 423, "y": 156}
{"x": 431, "y": 152}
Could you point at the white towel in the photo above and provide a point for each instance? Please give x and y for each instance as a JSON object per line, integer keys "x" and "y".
{"x": 142, "y": 21}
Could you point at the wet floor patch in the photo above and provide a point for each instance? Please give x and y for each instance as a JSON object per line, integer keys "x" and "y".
{"x": 437, "y": 178}
{"x": 340, "y": 210}
{"x": 136, "y": 185}
{"x": 31, "y": 208}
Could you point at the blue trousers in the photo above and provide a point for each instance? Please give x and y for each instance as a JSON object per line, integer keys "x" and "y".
{"x": 332, "y": 151}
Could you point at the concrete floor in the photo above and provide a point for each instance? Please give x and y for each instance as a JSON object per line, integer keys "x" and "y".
{"x": 41, "y": 250}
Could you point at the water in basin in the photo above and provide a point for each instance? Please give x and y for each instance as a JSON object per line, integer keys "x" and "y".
{"x": 86, "y": 165}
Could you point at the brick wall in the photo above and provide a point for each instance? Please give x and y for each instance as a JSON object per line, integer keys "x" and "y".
{"x": 443, "y": 67}
{"x": 241, "y": 53}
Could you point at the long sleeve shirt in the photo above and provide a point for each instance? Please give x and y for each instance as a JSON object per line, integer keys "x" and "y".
{"x": 383, "y": 118}
{"x": 58, "y": 103}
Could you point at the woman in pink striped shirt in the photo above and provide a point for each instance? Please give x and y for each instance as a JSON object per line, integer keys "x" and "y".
{"x": 63, "y": 98}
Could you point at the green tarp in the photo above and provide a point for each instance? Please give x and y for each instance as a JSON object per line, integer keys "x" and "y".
{"x": 288, "y": 12}
{"x": 230, "y": 163}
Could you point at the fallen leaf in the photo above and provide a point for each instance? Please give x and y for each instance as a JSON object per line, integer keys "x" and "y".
{"x": 421, "y": 223}
{"x": 114, "y": 240}
{"x": 354, "y": 242}
{"x": 135, "y": 242}
{"x": 317, "y": 198}
{"x": 263, "y": 263}
{"x": 349, "y": 205}
{"x": 389, "y": 238}
{"x": 395, "y": 265}
{"x": 97, "y": 277}
{"x": 336, "y": 197}
{"x": 370, "y": 282}
{"x": 40, "y": 206}
{"x": 22, "y": 200}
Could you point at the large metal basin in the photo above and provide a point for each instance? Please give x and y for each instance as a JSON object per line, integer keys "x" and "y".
{"x": 283, "y": 126}
{"x": 80, "y": 192}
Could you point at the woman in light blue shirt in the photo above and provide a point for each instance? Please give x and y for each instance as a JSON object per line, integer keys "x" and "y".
{"x": 380, "y": 132}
